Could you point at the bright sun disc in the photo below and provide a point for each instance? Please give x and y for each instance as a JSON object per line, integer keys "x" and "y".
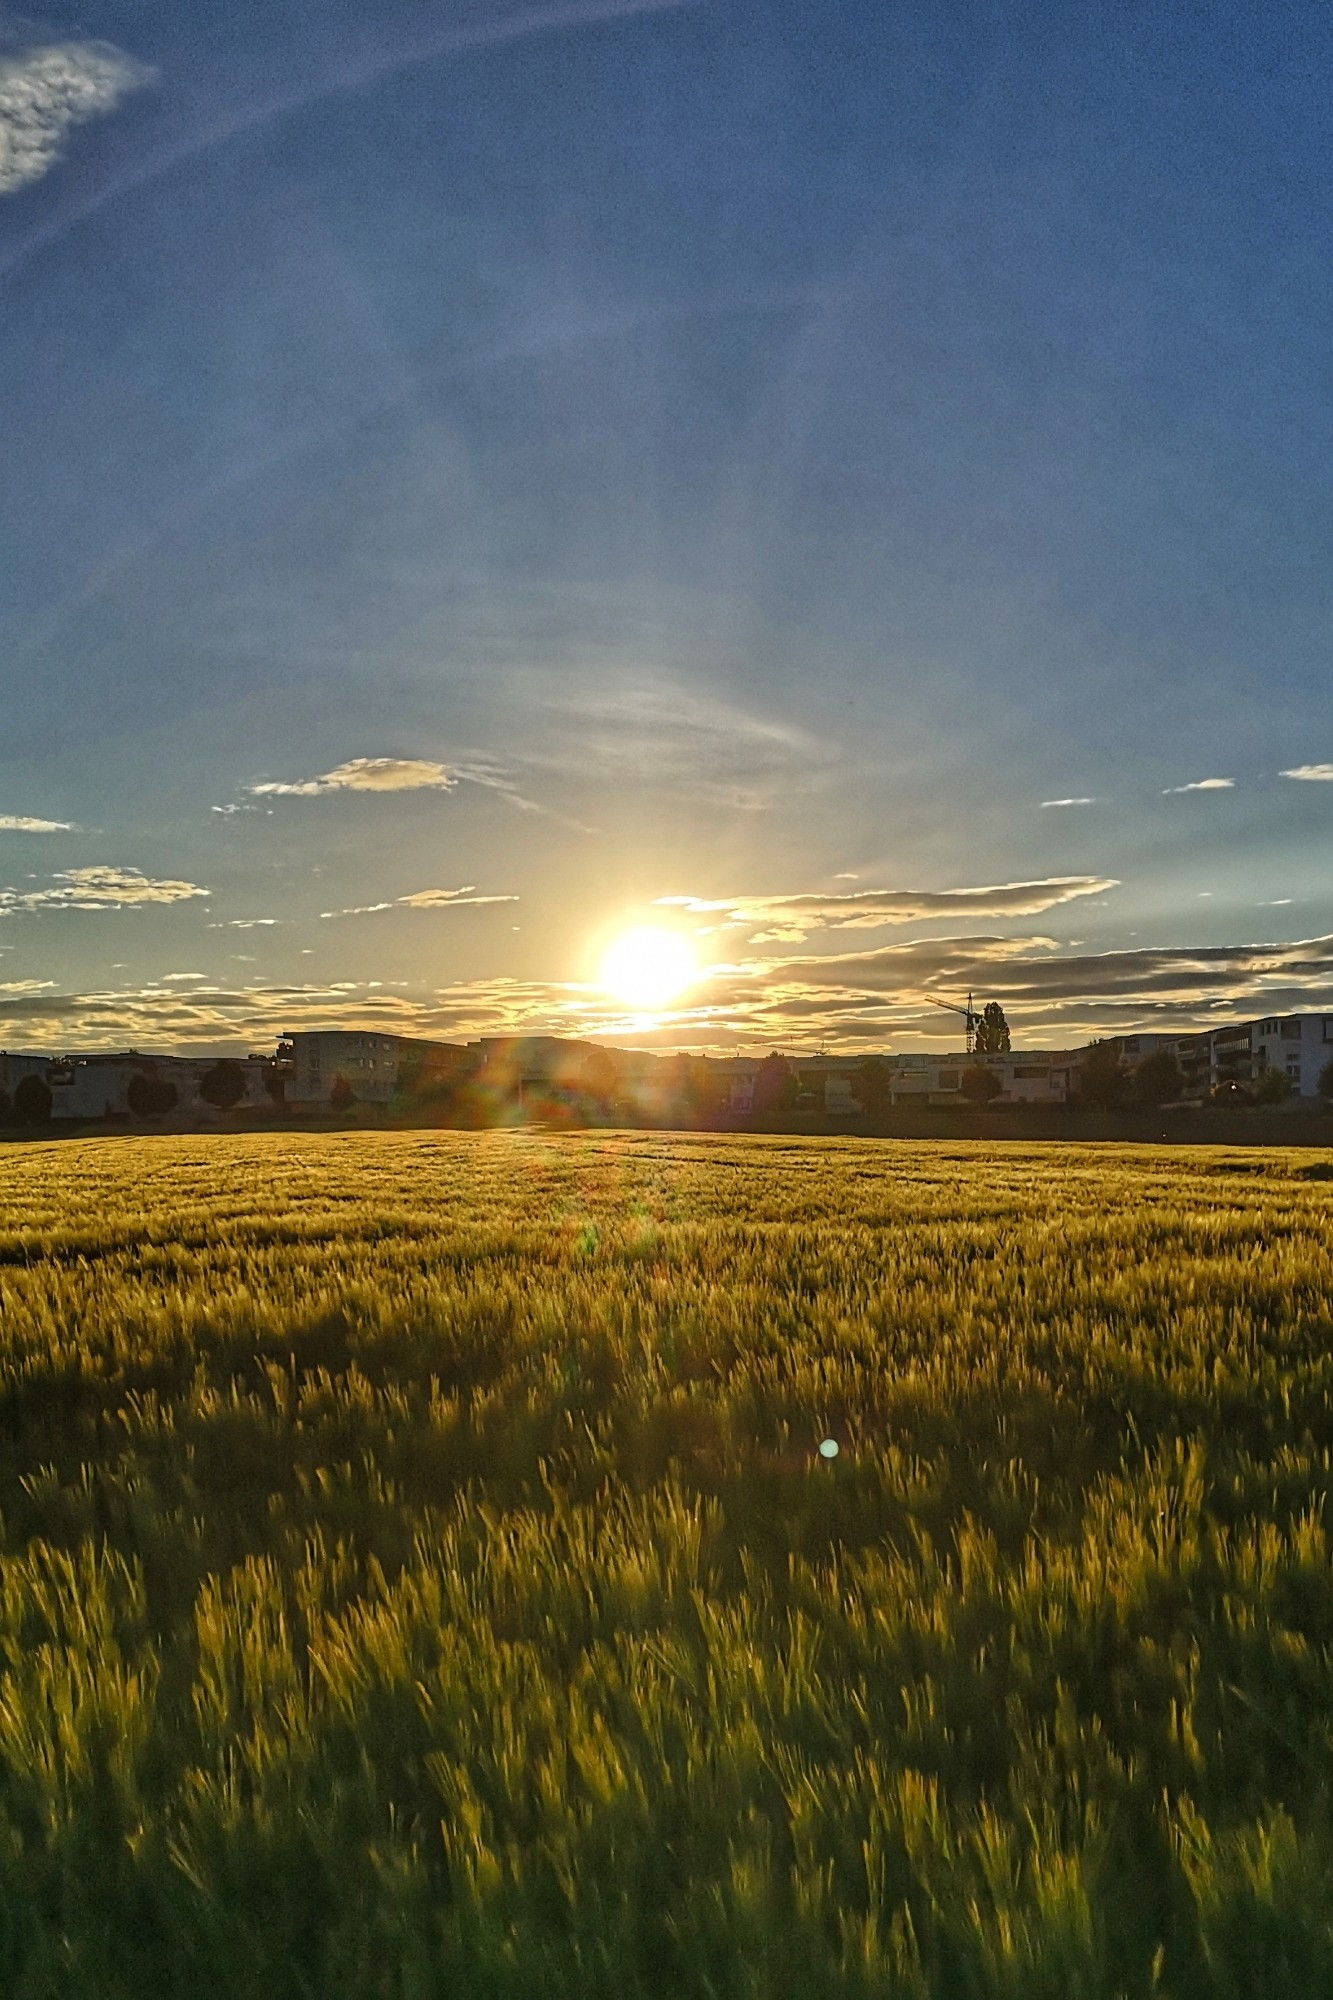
{"x": 648, "y": 968}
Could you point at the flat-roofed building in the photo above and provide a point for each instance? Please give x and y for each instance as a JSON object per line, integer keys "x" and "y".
{"x": 369, "y": 1061}
{"x": 1298, "y": 1046}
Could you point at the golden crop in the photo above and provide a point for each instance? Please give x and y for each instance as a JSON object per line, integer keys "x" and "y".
{"x": 418, "y": 1575}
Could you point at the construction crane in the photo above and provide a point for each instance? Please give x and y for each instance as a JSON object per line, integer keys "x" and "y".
{"x": 970, "y": 1014}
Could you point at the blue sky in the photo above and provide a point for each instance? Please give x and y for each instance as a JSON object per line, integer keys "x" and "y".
{"x": 574, "y": 456}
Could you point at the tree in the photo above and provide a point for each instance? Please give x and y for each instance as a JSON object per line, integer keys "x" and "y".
{"x": 776, "y": 1089}
{"x": 980, "y": 1085}
{"x": 992, "y": 1036}
{"x": 341, "y": 1095}
{"x": 1271, "y": 1086}
{"x": 1103, "y": 1080}
{"x": 151, "y": 1096}
{"x": 682, "y": 1084}
{"x": 599, "y": 1079}
{"x": 1325, "y": 1085}
{"x": 32, "y": 1100}
{"x": 873, "y": 1086}
{"x": 1158, "y": 1080}
{"x": 223, "y": 1086}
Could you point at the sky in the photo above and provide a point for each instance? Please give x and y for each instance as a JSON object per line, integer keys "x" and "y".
{"x": 849, "y": 484}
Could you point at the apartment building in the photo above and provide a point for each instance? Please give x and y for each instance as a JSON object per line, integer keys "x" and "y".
{"x": 1298, "y": 1045}
{"x": 368, "y": 1062}
{"x": 1025, "y": 1077}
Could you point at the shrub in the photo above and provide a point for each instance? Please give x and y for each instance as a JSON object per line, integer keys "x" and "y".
{"x": 980, "y": 1085}
{"x": 32, "y": 1101}
{"x": 1158, "y": 1079}
{"x": 151, "y": 1096}
{"x": 223, "y": 1086}
{"x": 1271, "y": 1086}
{"x": 1103, "y": 1080}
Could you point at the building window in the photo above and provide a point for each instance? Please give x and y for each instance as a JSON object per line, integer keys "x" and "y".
{"x": 1291, "y": 1030}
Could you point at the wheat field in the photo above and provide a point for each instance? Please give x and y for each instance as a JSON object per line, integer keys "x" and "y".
{"x": 418, "y": 1574}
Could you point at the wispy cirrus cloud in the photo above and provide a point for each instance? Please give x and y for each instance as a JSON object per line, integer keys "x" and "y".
{"x": 97, "y": 888}
{"x": 45, "y": 92}
{"x": 423, "y": 899}
{"x": 673, "y": 737}
{"x": 21, "y": 823}
{"x": 1046, "y": 804}
{"x": 362, "y": 774}
{"x": 790, "y": 918}
{"x": 1201, "y": 785}
{"x": 1319, "y": 774}
{"x": 447, "y": 899}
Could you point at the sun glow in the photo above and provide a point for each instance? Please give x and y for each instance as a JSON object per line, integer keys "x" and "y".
{"x": 648, "y": 968}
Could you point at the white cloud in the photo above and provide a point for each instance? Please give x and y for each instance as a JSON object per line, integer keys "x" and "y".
{"x": 1047, "y": 803}
{"x": 365, "y": 774}
{"x": 244, "y": 924}
{"x": 20, "y": 823}
{"x": 1201, "y": 785}
{"x": 98, "y": 888}
{"x": 166, "y": 976}
{"x": 1319, "y": 774}
{"x": 46, "y": 91}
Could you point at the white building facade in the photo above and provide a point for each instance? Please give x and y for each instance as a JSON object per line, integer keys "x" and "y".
{"x": 1298, "y": 1046}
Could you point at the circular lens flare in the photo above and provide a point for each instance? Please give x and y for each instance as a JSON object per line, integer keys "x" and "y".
{"x": 648, "y": 968}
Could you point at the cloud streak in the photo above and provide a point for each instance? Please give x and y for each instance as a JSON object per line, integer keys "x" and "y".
{"x": 1201, "y": 785}
{"x": 98, "y": 888}
{"x": 792, "y": 917}
{"x": 45, "y": 92}
{"x": 21, "y": 823}
{"x": 363, "y": 774}
{"x": 1319, "y": 774}
{"x": 423, "y": 899}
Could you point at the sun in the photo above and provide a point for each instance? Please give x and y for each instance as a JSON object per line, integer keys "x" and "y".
{"x": 648, "y": 968}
